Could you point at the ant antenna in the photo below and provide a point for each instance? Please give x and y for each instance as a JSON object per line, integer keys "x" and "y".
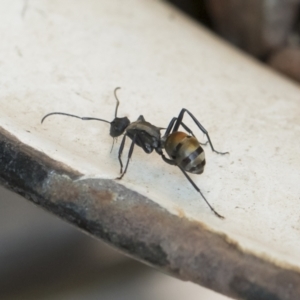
{"x": 86, "y": 118}
{"x": 74, "y": 116}
{"x": 118, "y": 102}
{"x": 117, "y": 126}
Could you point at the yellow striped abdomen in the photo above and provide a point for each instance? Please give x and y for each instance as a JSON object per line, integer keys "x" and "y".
{"x": 186, "y": 151}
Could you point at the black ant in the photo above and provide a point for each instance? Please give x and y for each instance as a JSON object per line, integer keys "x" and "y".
{"x": 184, "y": 149}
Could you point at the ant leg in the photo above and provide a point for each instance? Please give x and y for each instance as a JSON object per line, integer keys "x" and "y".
{"x": 169, "y": 128}
{"x": 191, "y": 133}
{"x": 204, "y": 144}
{"x": 171, "y": 124}
{"x": 120, "y": 152}
{"x": 187, "y": 129}
{"x": 179, "y": 122}
{"x": 167, "y": 160}
{"x": 172, "y": 162}
{"x": 128, "y": 158}
{"x": 199, "y": 191}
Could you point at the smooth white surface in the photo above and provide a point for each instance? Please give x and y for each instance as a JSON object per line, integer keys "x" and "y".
{"x": 70, "y": 55}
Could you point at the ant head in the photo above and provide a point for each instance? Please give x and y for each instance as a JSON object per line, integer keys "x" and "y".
{"x": 118, "y": 126}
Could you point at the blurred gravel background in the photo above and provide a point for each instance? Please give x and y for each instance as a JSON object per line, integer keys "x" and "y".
{"x": 266, "y": 29}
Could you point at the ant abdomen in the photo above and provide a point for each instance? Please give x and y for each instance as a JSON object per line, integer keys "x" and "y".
{"x": 186, "y": 151}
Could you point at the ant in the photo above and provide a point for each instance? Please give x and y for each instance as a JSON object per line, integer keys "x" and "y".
{"x": 183, "y": 149}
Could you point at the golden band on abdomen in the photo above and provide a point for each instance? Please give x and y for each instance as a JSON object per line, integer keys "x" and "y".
{"x": 191, "y": 157}
{"x": 198, "y": 169}
{"x": 194, "y": 162}
{"x": 186, "y": 151}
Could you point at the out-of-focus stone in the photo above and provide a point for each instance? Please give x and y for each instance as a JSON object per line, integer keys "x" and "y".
{"x": 196, "y": 9}
{"x": 287, "y": 61}
{"x": 257, "y": 26}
